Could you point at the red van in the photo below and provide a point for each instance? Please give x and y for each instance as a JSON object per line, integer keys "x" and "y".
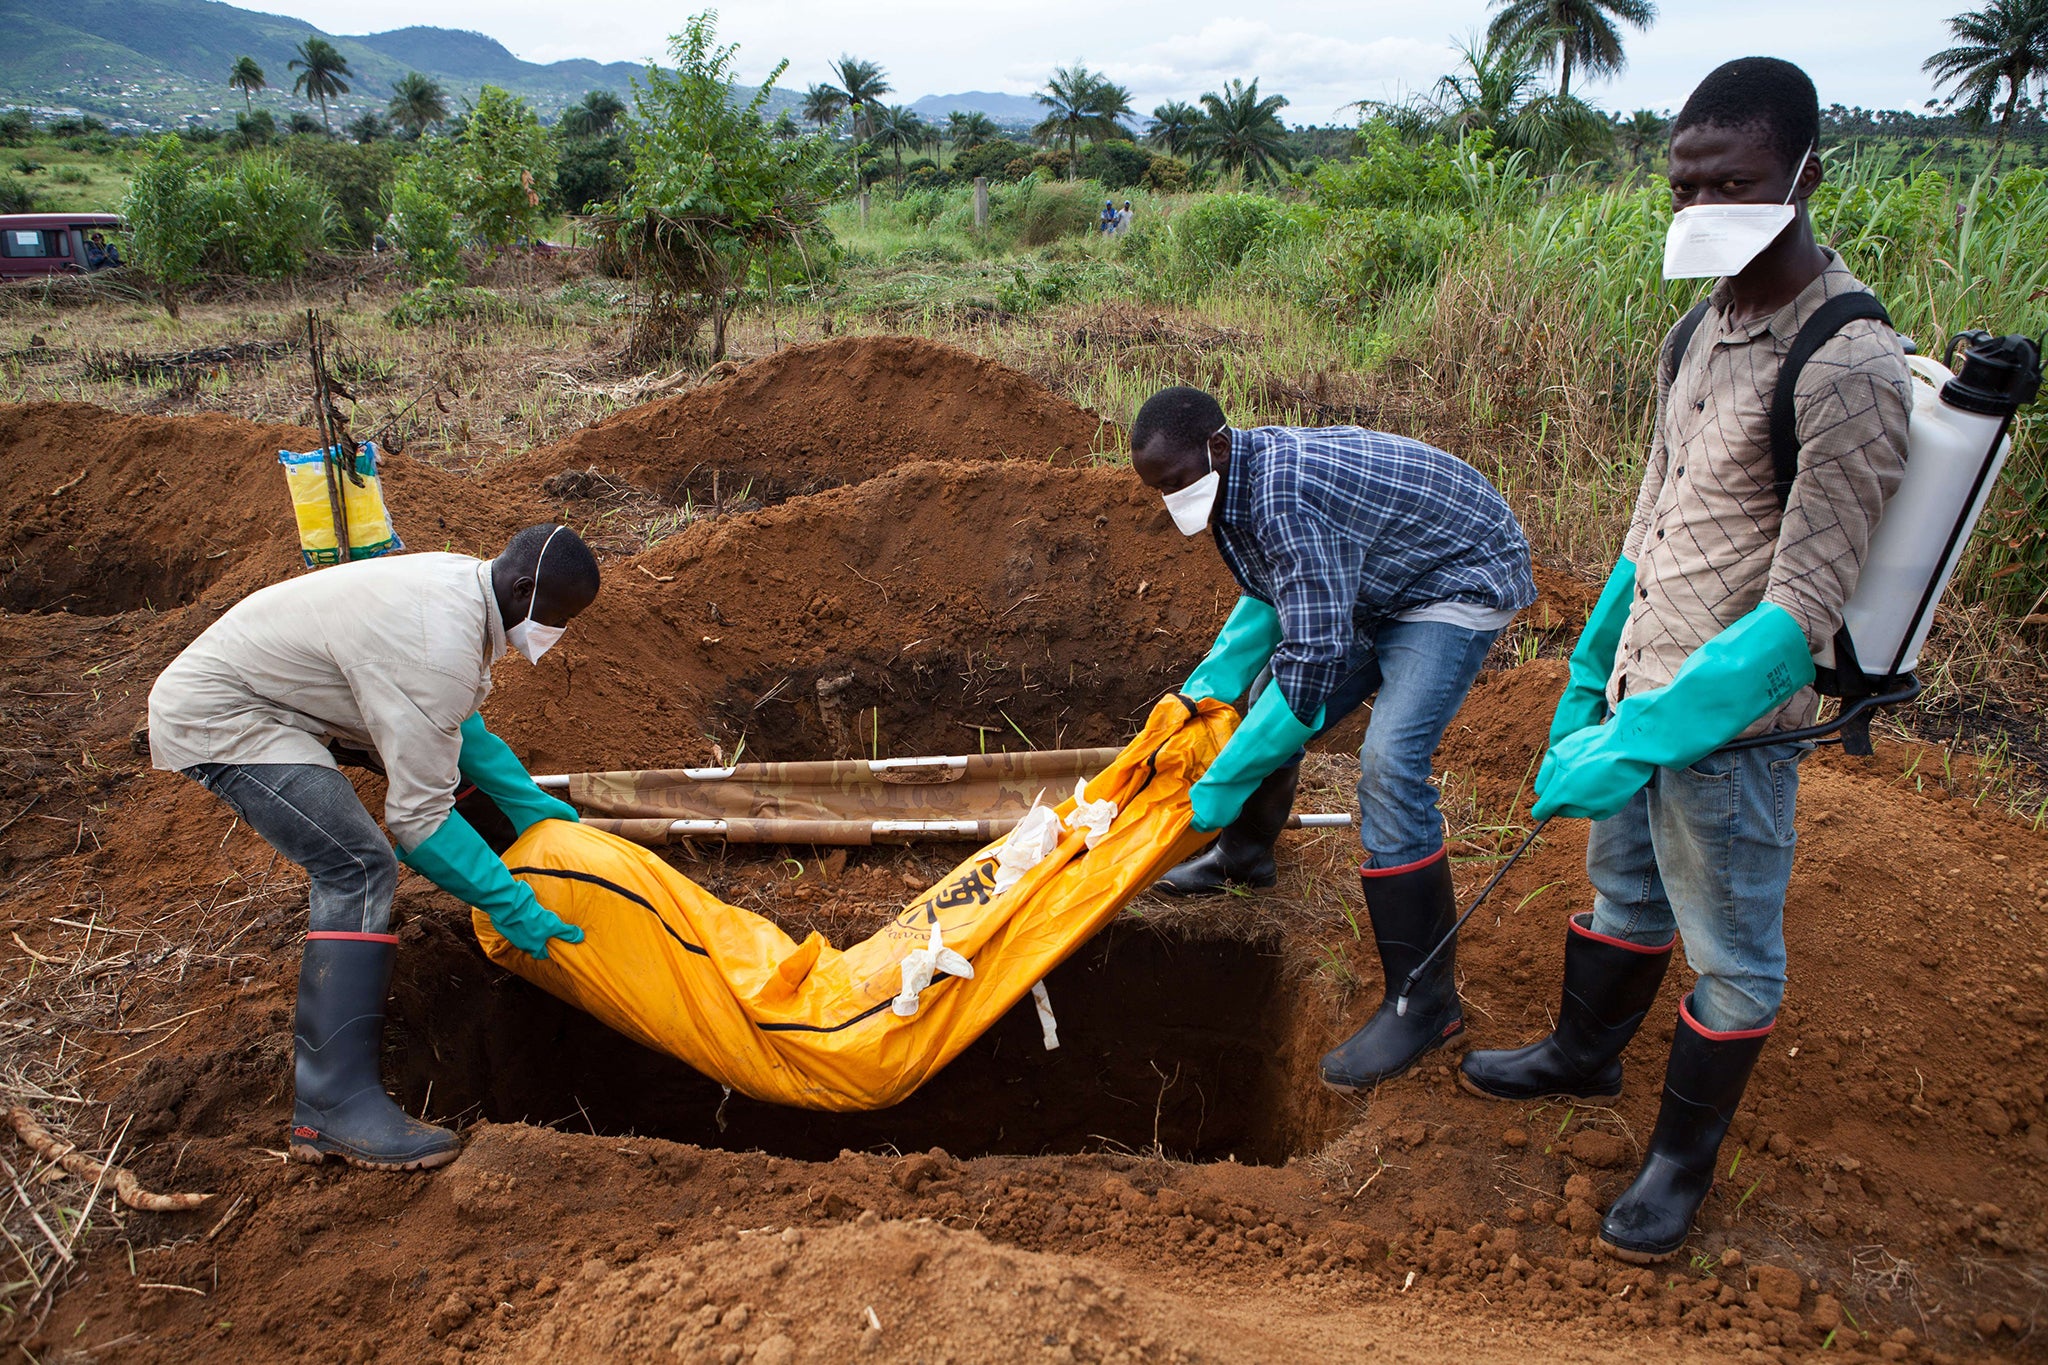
{"x": 33, "y": 244}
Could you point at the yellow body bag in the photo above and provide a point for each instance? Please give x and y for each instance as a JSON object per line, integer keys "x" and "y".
{"x": 806, "y": 1024}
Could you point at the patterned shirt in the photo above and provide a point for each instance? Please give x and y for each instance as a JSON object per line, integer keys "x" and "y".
{"x": 1340, "y": 529}
{"x": 1708, "y": 540}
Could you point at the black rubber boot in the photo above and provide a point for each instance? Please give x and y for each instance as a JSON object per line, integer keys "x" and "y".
{"x": 1242, "y": 851}
{"x": 1609, "y": 985}
{"x": 340, "y": 1108}
{"x": 1702, "y": 1086}
{"x": 1413, "y": 909}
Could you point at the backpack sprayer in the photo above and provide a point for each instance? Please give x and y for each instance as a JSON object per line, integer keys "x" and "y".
{"x": 1959, "y": 437}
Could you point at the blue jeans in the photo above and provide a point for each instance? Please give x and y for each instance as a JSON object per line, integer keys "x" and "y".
{"x": 1706, "y": 852}
{"x": 311, "y": 815}
{"x": 1420, "y": 671}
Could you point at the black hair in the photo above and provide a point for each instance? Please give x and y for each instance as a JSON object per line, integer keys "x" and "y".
{"x": 572, "y": 568}
{"x": 1186, "y": 417}
{"x": 1761, "y": 92}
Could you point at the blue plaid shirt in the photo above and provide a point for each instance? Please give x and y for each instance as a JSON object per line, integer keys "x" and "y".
{"x": 1340, "y": 529}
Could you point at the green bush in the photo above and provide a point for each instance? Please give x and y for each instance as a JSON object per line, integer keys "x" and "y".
{"x": 1167, "y": 175}
{"x": 71, "y": 175}
{"x": 1115, "y": 164}
{"x": 1036, "y": 212}
{"x": 1218, "y": 231}
{"x": 17, "y": 197}
{"x": 260, "y": 216}
{"x": 353, "y": 176}
{"x": 503, "y": 166}
{"x": 167, "y": 224}
{"x": 991, "y": 159}
{"x": 592, "y": 171}
{"x": 16, "y": 128}
{"x": 421, "y": 229}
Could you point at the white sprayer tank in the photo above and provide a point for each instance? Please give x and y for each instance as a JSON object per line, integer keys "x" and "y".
{"x": 1944, "y": 456}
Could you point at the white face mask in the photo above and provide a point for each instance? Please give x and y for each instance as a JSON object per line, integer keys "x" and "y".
{"x": 1191, "y": 506}
{"x": 530, "y": 637}
{"x": 1708, "y": 241}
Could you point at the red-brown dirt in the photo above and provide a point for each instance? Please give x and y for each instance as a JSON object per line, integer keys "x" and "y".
{"x": 1884, "y": 1192}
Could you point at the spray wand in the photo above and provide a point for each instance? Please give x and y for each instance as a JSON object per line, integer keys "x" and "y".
{"x": 1401, "y": 1001}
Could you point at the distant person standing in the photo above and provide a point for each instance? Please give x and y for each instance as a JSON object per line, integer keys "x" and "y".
{"x": 1123, "y": 219}
{"x": 1108, "y": 223}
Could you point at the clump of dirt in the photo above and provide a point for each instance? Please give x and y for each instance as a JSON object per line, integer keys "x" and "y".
{"x": 817, "y": 416}
{"x": 934, "y": 608}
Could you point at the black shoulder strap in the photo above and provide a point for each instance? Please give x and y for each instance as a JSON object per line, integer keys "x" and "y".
{"x": 1681, "y": 337}
{"x": 1827, "y": 320}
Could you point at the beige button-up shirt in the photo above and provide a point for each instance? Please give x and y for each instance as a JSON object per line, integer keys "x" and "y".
{"x": 388, "y": 654}
{"x": 1708, "y": 540}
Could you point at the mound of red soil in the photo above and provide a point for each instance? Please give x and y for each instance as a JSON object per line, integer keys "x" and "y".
{"x": 826, "y": 414}
{"x": 104, "y": 513}
{"x": 1048, "y": 607}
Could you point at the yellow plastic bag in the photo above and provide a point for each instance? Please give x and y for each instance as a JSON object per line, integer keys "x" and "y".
{"x": 369, "y": 524}
{"x": 670, "y": 966}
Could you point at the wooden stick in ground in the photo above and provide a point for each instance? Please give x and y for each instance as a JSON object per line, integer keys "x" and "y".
{"x": 68, "y": 1156}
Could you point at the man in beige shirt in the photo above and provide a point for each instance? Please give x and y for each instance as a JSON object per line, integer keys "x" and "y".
{"x": 1730, "y": 587}
{"x": 391, "y": 657}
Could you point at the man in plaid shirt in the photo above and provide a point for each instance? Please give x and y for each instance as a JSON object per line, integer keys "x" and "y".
{"x": 1709, "y": 630}
{"x": 1372, "y": 567}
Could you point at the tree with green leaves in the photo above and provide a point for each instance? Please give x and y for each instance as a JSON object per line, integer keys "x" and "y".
{"x": 166, "y": 217}
{"x": 1498, "y": 89}
{"x": 1079, "y": 103}
{"x": 713, "y": 197}
{"x": 894, "y": 129}
{"x": 967, "y": 129}
{"x": 1173, "y": 127}
{"x": 247, "y": 77}
{"x": 503, "y": 166}
{"x": 1243, "y": 133}
{"x": 323, "y": 74}
{"x": 861, "y": 86}
{"x": 2005, "y": 44}
{"x": 1572, "y": 33}
{"x": 823, "y": 104}
{"x": 417, "y": 103}
{"x": 368, "y": 128}
{"x": 594, "y": 115}
{"x": 1641, "y": 134}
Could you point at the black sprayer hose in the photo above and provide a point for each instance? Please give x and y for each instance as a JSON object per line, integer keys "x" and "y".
{"x": 1401, "y": 1002}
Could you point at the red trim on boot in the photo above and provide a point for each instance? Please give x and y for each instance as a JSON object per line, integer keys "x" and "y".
{"x": 1419, "y": 863}
{"x": 356, "y": 938}
{"x": 1685, "y": 1013}
{"x": 1647, "y": 950}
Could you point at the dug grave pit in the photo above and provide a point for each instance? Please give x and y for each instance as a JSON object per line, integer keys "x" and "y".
{"x": 1198, "y": 1046}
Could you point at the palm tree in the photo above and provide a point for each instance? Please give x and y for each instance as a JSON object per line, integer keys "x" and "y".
{"x": 322, "y": 74}
{"x": 1498, "y": 88}
{"x": 417, "y": 103}
{"x": 1242, "y": 132}
{"x": 2005, "y": 43}
{"x": 894, "y": 128}
{"x": 594, "y": 116}
{"x": 1573, "y": 32}
{"x": 969, "y": 129}
{"x": 1642, "y": 133}
{"x": 862, "y": 85}
{"x": 1173, "y": 127}
{"x": 247, "y": 77}
{"x": 784, "y": 128}
{"x": 1081, "y": 101}
{"x": 823, "y": 104}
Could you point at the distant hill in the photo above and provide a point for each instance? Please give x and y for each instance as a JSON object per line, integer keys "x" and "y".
{"x": 150, "y": 63}
{"x": 1011, "y": 110}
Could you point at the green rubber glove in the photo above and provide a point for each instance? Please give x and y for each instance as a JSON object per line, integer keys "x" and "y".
{"x": 1243, "y": 647}
{"x": 456, "y": 859}
{"x": 490, "y": 763}
{"x": 1267, "y": 739}
{"x": 1584, "y": 702}
{"x": 1744, "y": 673}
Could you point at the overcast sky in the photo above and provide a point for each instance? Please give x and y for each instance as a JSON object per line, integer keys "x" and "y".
{"x": 1321, "y": 55}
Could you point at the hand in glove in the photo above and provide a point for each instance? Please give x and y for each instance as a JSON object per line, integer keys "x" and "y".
{"x": 1268, "y": 737}
{"x": 1733, "y": 680}
{"x": 456, "y": 859}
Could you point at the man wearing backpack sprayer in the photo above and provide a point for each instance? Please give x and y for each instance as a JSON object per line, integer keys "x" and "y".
{"x": 1373, "y": 567}
{"x": 1737, "y": 565}
{"x": 390, "y": 657}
